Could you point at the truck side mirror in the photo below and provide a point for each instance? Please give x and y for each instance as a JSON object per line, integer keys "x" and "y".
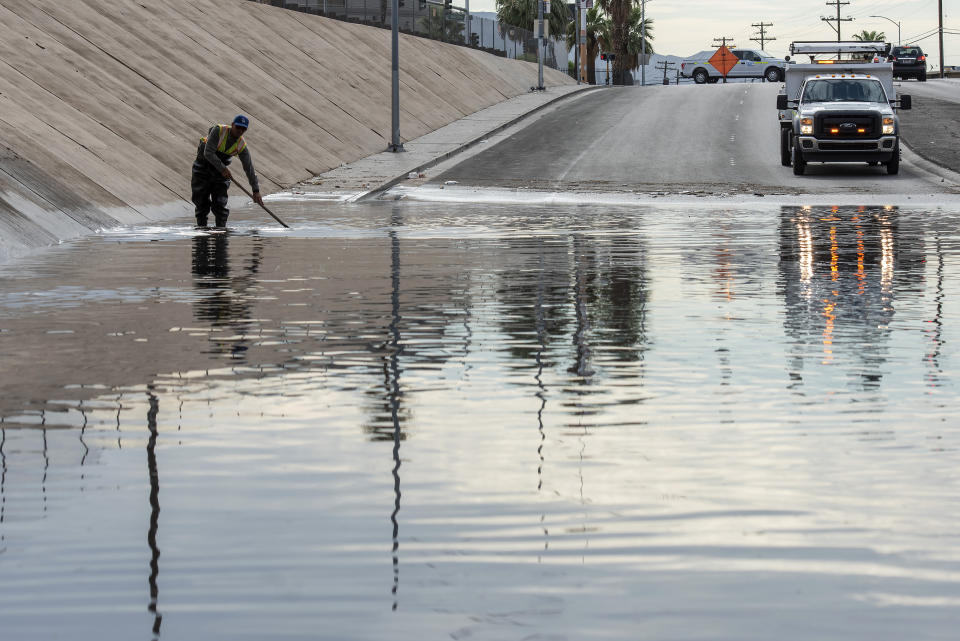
{"x": 782, "y": 101}
{"x": 906, "y": 102}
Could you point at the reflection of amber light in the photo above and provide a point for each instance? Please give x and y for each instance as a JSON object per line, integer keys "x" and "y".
{"x": 861, "y": 271}
{"x": 834, "y": 255}
{"x": 828, "y": 307}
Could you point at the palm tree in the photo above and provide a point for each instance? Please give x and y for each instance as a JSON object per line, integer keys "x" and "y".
{"x": 598, "y": 35}
{"x": 634, "y": 42}
{"x": 524, "y": 14}
{"x": 625, "y": 30}
{"x": 869, "y": 36}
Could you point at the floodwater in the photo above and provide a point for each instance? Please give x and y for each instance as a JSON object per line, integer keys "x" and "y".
{"x": 420, "y": 421}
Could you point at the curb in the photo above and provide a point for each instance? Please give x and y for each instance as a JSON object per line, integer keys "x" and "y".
{"x": 376, "y": 191}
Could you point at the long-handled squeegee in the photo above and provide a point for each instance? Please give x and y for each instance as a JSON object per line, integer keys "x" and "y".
{"x": 243, "y": 189}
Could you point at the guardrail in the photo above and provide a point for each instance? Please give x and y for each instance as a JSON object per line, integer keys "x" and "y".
{"x": 438, "y": 21}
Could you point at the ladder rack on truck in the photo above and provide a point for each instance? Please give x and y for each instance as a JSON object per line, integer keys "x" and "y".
{"x": 869, "y": 57}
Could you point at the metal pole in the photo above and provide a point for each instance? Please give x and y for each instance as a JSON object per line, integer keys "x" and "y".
{"x": 576, "y": 41}
{"x": 395, "y": 144}
{"x": 643, "y": 44}
{"x": 940, "y": 9}
{"x": 540, "y": 46}
{"x": 891, "y": 20}
{"x": 466, "y": 20}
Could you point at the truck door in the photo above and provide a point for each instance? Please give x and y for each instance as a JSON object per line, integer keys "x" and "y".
{"x": 746, "y": 67}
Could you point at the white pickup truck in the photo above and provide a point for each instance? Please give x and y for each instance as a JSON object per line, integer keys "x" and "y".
{"x": 751, "y": 63}
{"x": 840, "y": 109}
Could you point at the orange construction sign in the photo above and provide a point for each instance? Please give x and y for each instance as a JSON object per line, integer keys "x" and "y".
{"x": 724, "y": 60}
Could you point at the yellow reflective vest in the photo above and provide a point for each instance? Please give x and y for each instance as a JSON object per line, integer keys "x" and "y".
{"x": 234, "y": 150}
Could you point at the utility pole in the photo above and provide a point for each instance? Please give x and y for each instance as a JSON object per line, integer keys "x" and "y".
{"x": 940, "y": 10}
{"x": 838, "y": 19}
{"x": 762, "y": 37}
{"x": 723, "y": 43}
{"x": 663, "y": 64}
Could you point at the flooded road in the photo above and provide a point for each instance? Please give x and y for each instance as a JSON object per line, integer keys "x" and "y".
{"x": 432, "y": 421}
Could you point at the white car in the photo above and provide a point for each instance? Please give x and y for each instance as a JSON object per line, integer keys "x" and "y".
{"x": 751, "y": 63}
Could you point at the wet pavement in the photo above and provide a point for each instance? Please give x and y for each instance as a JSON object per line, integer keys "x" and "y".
{"x": 421, "y": 420}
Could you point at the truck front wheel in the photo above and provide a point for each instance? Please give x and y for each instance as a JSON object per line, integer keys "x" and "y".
{"x": 700, "y": 76}
{"x": 893, "y": 165}
{"x": 772, "y": 74}
{"x": 799, "y": 164}
{"x": 785, "y": 146}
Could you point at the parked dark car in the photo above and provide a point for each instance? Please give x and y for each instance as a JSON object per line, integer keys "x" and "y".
{"x": 909, "y": 62}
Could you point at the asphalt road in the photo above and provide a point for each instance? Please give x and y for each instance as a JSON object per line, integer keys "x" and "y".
{"x": 932, "y": 127}
{"x": 700, "y": 140}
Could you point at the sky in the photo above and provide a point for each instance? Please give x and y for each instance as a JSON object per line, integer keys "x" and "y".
{"x": 684, "y": 27}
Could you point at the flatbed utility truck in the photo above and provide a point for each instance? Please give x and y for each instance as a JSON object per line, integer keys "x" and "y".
{"x": 840, "y": 108}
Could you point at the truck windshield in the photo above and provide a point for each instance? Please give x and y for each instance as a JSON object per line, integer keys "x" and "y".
{"x": 843, "y": 90}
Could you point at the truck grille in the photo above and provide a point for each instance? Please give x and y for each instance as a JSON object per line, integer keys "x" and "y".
{"x": 847, "y": 146}
{"x": 846, "y": 126}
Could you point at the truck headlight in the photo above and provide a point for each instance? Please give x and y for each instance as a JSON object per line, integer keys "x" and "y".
{"x": 888, "y": 126}
{"x": 806, "y": 125}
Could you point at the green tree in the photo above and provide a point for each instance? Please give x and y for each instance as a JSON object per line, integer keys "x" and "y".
{"x": 625, "y": 27}
{"x": 524, "y": 14}
{"x": 598, "y": 36}
{"x": 442, "y": 24}
{"x": 869, "y": 36}
{"x": 634, "y": 41}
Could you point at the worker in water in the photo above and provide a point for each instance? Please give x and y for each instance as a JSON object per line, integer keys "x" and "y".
{"x": 211, "y": 177}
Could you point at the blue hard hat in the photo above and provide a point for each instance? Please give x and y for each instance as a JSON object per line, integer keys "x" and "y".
{"x": 242, "y": 121}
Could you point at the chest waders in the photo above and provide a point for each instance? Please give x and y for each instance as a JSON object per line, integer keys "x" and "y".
{"x": 207, "y": 185}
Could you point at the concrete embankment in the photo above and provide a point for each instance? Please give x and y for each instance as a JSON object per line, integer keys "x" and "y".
{"x": 102, "y": 102}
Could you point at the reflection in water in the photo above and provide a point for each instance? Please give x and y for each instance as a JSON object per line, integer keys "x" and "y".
{"x": 154, "y": 510}
{"x": 642, "y": 494}
{"x": 935, "y": 333}
{"x": 3, "y": 480}
{"x": 840, "y": 270}
{"x": 581, "y": 367}
{"x": 541, "y": 392}
{"x": 225, "y": 300}
{"x": 394, "y": 397}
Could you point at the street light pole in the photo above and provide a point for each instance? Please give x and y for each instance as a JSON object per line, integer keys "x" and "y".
{"x": 643, "y": 43}
{"x": 894, "y": 22}
{"x": 395, "y": 144}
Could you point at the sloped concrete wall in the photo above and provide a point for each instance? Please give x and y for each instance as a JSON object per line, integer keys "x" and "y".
{"x": 102, "y": 102}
